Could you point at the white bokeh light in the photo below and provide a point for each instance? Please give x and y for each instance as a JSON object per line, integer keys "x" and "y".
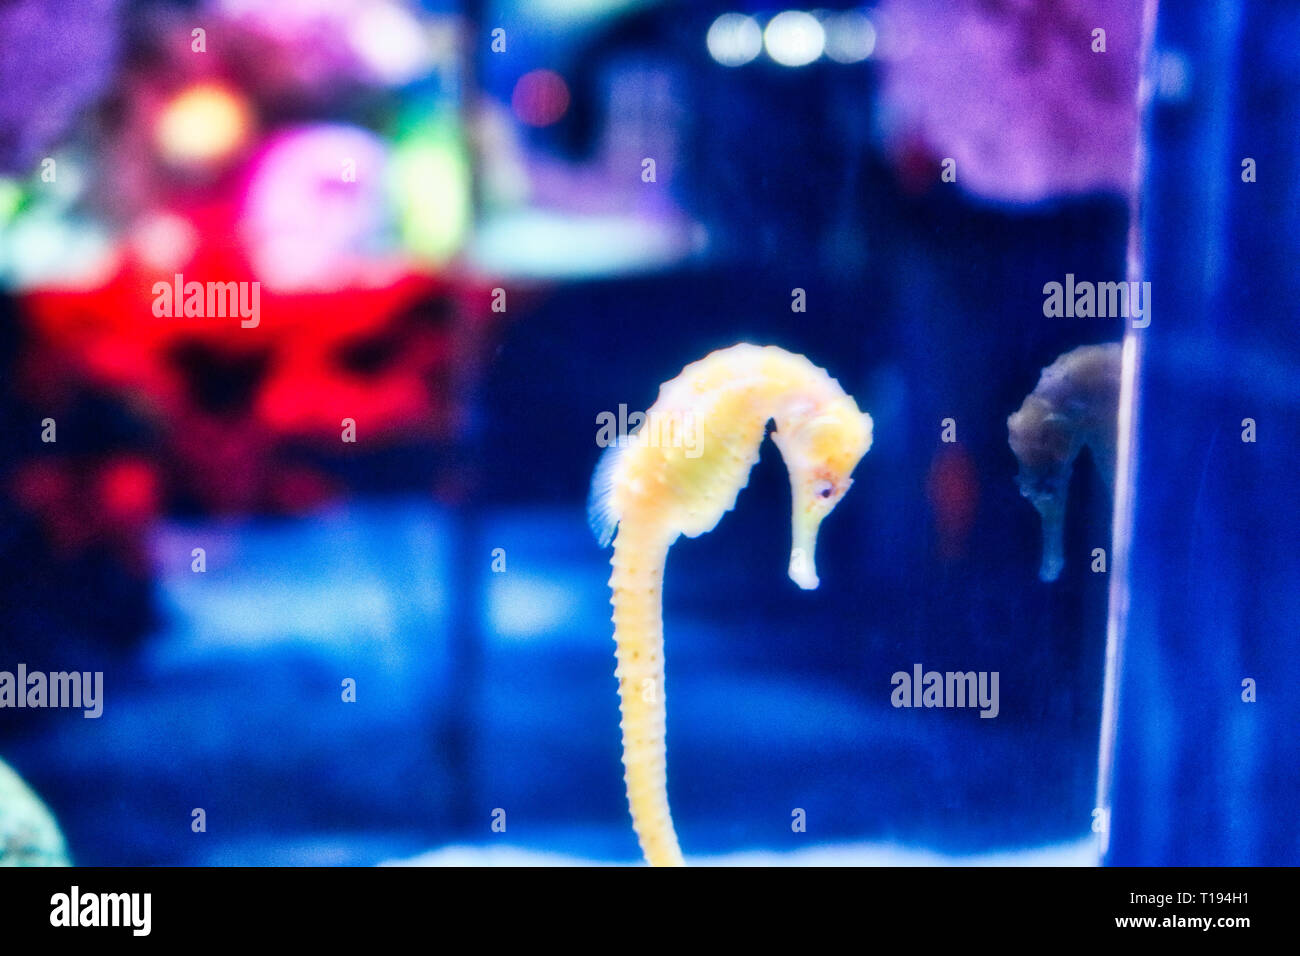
{"x": 850, "y": 37}
{"x": 391, "y": 41}
{"x": 794, "y": 38}
{"x": 734, "y": 39}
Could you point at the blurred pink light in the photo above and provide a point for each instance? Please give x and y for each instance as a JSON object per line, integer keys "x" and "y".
{"x": 317, "y": 207}
{"x": 540, "y": 97}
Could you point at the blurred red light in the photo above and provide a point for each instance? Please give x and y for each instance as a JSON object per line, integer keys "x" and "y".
{"x": 953, "y": 490}
{"x": 128, "y": 489}
{"x": 540, "y": 97}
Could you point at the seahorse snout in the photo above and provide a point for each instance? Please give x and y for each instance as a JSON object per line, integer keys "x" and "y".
{"x": 1051, "y": 508}
{"x": 801, "y": 571}
{"x": 803, "y": 563}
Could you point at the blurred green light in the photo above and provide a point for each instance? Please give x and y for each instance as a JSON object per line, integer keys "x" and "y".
{"x": 432, "y": 187}
{"x": 11, "y": 197}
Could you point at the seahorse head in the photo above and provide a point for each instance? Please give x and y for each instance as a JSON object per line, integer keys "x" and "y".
{"x": 1045, "y": 442}
{"x": 821, "y": 442}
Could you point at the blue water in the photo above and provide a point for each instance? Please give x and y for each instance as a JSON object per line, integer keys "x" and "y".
{"x": 235, "y": 707}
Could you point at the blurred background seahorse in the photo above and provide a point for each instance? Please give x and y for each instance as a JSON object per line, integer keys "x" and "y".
{"x": 1074, "y": 404}
{"x": 652, "y": 491}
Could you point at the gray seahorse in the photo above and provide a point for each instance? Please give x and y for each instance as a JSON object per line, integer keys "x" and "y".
{"x": 1075, "y": 403}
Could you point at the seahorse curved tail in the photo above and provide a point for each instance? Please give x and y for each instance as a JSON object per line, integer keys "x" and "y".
{"x": 637, "y": 586}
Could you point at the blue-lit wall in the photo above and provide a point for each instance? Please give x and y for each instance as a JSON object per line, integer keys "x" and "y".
{"x": 1203, "y": 776}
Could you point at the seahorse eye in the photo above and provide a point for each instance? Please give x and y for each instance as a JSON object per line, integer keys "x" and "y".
{"x": 823, "y": 489}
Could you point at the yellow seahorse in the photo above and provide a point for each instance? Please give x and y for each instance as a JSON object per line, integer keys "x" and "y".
{"x": 652, "y": 491}
{"x": 1075, "y": 403}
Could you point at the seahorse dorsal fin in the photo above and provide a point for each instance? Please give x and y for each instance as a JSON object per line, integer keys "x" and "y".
{"x": 602, "y": 515}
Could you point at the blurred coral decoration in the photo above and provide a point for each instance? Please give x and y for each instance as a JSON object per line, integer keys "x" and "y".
{"x": 1014, "y": 92}
{"x": 320, "y": 44}
{"x": 56, "y": 57}
{"x": 312, "y": 148}
{"x": 28, "y": 834}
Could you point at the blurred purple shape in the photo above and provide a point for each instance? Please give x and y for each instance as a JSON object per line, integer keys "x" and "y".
{"x": 1014, "y": 92}
{"x": 306, "y": 224}
{"x": 323, "y": 43}
{"x": 56, "y": 56}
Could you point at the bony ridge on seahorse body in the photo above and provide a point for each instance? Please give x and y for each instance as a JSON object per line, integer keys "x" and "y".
{"x": 652, "y": 492}
{"x": 1075, "y": 403}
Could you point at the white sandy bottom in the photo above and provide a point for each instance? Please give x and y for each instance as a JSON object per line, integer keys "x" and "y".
{"x": 1081, "y": 853}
